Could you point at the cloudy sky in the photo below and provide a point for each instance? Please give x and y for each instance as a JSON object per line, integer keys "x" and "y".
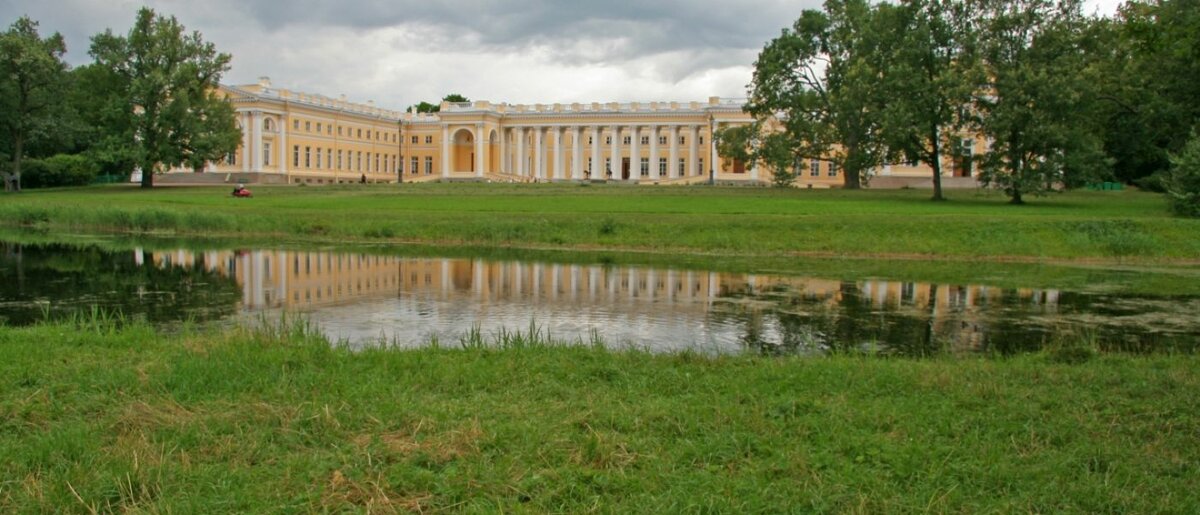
{"x": 399, "y": 52}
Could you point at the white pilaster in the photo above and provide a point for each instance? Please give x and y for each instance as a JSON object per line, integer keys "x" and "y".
{"x": 713, "y": 164}
{"x": 247, "y": 123}
{"x": 282, "y": 141}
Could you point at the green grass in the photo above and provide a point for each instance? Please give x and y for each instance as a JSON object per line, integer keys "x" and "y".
{"x": 100, "y": 415}
{"x": 1105, "y": 227}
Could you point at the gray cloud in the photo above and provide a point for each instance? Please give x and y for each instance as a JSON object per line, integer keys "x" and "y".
{"x": 398, "y": 52}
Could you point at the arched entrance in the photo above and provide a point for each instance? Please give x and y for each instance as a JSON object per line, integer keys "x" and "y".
{"x": 462, "y": 153}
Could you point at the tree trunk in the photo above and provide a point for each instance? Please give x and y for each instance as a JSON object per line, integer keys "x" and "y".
{"x": 147, "y": 175}
{"x": 936, "y": 164}
{"x": 12, "y": 180}
{"x": 851, "y": 179}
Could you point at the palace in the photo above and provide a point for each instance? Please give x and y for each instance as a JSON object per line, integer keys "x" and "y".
{"x": 299, "y": 138}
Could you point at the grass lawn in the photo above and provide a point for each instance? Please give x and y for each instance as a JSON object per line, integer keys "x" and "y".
{"x": 1098, "y": 227}
{"x": 100, "y": 417}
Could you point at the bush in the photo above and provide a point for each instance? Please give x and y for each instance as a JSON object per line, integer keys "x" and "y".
{"x": 60, "y": 170}
{"x": 1183, "y": 181}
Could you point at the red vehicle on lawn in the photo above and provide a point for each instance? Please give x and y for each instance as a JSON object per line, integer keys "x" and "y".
{"x": 241, "y": 191}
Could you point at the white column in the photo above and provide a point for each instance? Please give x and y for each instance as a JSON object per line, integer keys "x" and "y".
{"x": 446, "y": 150}
{"x": 576, "y": 154}
{"x": 673, "y": 154}
{"x": 694, "y": 156}
{"x": 283, "y": 144}
{"x": 247, "y": 121}
{"x": 597, "y": 161}
{"x": 654, "y": 153}
{"x": 635, "y": 153}
{"x": 558, "y": 153}
{"x": 256, "y": 133}
{"x": 521, "y": 171}
{"x": 480, "y": 137}
{"x": 503, "y": 151}
{"x": 539, "y": 160}
{"x": 615, "y": 165}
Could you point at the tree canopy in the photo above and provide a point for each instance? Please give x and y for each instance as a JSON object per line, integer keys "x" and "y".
{"x": 32, "y": 77}
{"x": 166, "y": 80}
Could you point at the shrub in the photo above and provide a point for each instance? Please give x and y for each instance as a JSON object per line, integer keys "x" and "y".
{"x": 1183, "y": 181}
{"x": 59, "y": 170}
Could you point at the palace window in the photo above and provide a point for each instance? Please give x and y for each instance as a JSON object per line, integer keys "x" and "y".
{"x": 295, "y": 125}
{"x": 645, "y": 140}
{"x": 329, "y": 129}
{"x": 428, "y": 140}
{"x": 329, "y": 159}
{"x": 662, "y": 166}
{"x": 231, "y": 158}
{"x": 682, "y": 140}
{"x": 662, "y": 140}
{"x": 318, "y": 126}
{"x": 701, "y": 170}
{"x": 608, "y": 140}
{"x": 833, "y": 169}
{"x": 318, "y": 158}
{"x": 358, "y": 161}
{"x": 814, "y": 168}
{"x": 339, "y": 166}
{"x": 589, "y": 140}
{"x": 267, "y": 127}
{"x": 701, "y": 140}
{"x": 428, "y": 165}
{"x": 359, "y": 134}
{"x": 644, "y": 166}
{"x": 266, "y": 154}
{"x": 296, "y": 156}
{"x": 682, "y": 168}
{"x": 416, "y": 163}
{"x": 377, "y": 168}
{"x": 308, "y": 157}
{"x": 627, "y": 140}
{"x": 308, "y": 126}
{"x": 415, "y": 139}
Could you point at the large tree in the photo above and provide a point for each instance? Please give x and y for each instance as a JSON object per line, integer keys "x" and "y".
{"x": 166, "y": 78}
{"x": 32, "y": 75}
{"x": 931, "y": 78}
{"x": 819, "y": 81}
{"x": 1149, "y": 89}
{"x": 1033, "y": 108}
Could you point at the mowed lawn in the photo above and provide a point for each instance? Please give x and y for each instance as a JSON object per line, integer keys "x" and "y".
{"x": 1097, "y": 226}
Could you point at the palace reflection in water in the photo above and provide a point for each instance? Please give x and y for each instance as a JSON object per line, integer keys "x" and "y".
{"x": 365, "y": 298}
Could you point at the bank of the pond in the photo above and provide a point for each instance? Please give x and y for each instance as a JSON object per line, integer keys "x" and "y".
{"x": 99, "y": 418}
{"x": 1097, "y": 227}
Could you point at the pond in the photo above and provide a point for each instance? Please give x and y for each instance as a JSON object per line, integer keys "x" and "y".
{"x": 371, "y": 299}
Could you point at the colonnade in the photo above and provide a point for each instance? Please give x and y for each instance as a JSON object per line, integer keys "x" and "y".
{"x": 544, "y": 159}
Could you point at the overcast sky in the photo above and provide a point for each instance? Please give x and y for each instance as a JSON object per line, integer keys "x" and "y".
{"x": 399, "y": 52}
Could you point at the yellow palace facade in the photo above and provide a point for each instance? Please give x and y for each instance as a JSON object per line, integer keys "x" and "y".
{"x": 298, "y": 138}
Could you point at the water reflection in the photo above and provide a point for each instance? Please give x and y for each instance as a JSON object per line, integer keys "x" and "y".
{"x": 365, "y": 298}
